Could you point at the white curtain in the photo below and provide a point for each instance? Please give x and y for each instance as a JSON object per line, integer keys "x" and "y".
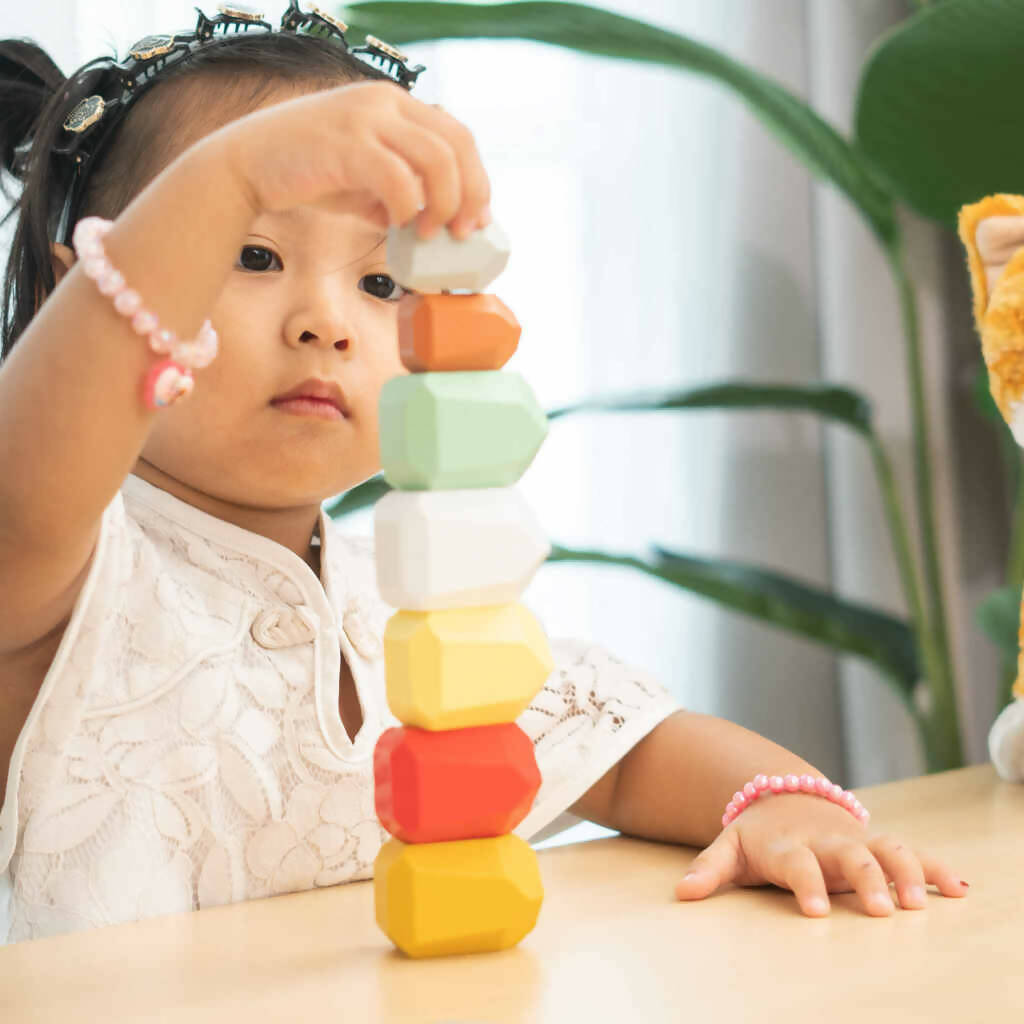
{"x": 662, "y": 238}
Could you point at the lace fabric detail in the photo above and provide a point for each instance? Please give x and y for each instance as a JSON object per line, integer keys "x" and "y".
{"x": 174, "y": 762}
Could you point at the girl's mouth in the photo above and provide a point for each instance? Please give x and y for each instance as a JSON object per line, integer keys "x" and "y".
{"x": 318, "y": 407}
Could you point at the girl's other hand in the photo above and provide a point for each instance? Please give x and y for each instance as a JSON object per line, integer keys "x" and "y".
{"x": 367, "y": 148}
{"x": 811, "y": 846}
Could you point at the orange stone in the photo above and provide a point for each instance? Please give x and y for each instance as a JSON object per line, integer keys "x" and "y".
{"x": 455, "y": 332}
{"x": 433, "y": 787}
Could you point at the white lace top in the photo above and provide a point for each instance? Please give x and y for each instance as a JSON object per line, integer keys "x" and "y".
{"x": 186, "y": 748}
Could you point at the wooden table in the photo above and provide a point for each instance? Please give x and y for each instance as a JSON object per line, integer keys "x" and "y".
{"x": 612, "y": 944}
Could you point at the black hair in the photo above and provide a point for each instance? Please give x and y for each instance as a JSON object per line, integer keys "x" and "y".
{"x": 35, "y": 99}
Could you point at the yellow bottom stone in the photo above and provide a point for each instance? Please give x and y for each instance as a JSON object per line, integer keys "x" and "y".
{"x": 467, "y": 896}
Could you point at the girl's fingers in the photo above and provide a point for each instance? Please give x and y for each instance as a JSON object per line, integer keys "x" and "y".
{"x": 476, "y": 186}
{"x": 947, "y": 881}
{"x": 385, "y": 175}
{"x": 858, "y": 864}
{"x": 798, "y": 869}
{"x": 435, "y": 162}
{"x": 717, "y": 865}
{"x": 903, "y": 867}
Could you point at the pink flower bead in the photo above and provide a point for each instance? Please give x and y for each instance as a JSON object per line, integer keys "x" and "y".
{"x": 750, "y": 791}
{"x": 725, "y": 820}
{"x": 792, "y": 783}
{"x": 110, "y": 282}
{"x": 835, "y": 793}
{"x": 849, "y": 801}
{"x": 144, "y": 322}
{"x": 730, "y": 808}
{"x": 761, "y": 783}
{"x": 807, "y": 783}
{"x": 776, "y": 783}
{"x": 165, "y": 383}
{"x": 128, "y": 302}
{"x": 822, "y": 786}
{"x": 739, "y": 799}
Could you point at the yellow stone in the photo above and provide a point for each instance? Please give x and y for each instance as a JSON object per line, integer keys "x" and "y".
{"x": 456, "y": 668}
{"x": 468, "y": 896}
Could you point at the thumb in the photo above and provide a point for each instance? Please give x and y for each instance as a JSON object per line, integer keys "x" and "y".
{"x": 717, "y": 865}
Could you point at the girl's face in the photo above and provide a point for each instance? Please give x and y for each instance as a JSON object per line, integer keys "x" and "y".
{"x": 309, "y": 296}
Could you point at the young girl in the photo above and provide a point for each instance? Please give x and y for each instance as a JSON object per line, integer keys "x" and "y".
{"x": 191, "y": 670}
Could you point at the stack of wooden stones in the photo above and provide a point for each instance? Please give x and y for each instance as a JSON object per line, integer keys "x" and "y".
{"x": 456, "y": 546}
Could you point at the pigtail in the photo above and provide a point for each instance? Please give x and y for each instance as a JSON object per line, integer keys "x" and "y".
{"x": 28, "y": 79}
{"x": 35, "y": 99}
{"x": 30, "y": 83}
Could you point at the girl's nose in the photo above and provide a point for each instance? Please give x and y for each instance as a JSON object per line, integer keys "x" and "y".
{"x": 308, "y": 336}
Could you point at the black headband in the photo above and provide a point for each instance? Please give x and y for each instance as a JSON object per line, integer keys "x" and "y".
{"x": 91, "y": 123}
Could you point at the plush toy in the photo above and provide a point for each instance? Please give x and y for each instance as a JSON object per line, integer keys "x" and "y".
{"x": 992, "y": 231}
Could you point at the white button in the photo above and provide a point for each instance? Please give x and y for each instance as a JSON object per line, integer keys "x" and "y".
{"x": 357, "y": 628}
{"x": 281, "y": 627}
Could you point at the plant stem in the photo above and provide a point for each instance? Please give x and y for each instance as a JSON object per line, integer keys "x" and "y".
{"x": 902, "y": 549}
{"x": 926, "y": 647}
{"x": 942, "y": 715}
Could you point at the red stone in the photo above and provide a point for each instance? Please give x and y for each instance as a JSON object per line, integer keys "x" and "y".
{"x": 437, "y": 786}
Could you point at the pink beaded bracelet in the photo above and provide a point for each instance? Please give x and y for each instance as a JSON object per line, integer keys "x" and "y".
{"x": 815, "y": 785}
{"x": 169, "y": 379}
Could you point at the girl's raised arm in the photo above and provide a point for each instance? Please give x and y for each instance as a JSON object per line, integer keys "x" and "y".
{"x": 72, "y": 422}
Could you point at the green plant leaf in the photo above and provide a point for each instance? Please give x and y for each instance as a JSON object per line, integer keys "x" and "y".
{"x": 939, "y": 102}
{"x": 834, "y": 403}
{"x": 982, "y": 394}
{"x": 359, "y": 497}
{"x": 998, "y": 615}
{"x": 603, "y": 33}
{"x": 783, "y": 601}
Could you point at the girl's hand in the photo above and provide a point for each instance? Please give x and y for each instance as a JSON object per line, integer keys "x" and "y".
{"x": 813, "y": 847}
{"x": 365, "y": 147}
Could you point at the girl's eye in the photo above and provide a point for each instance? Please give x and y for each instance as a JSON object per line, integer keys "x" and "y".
{"x": 259, "y": 263}
{"x": 257, "y": 259}
{"x": 380, "y": 283}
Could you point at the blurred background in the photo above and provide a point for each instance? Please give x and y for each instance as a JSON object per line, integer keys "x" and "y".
{"x": 661, "y": 239}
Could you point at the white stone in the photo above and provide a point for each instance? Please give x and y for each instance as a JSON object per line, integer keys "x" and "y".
{"x": 443, "y": 263}
{"x": 454, "y": 549}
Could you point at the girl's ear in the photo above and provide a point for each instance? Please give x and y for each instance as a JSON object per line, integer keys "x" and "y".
{"x": 62, "y": 259}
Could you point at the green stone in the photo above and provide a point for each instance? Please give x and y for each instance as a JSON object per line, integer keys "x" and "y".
{"x": 445, "y": 431}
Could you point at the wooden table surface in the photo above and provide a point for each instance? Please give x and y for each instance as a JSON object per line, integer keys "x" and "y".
{"x": 611, "y": 944}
